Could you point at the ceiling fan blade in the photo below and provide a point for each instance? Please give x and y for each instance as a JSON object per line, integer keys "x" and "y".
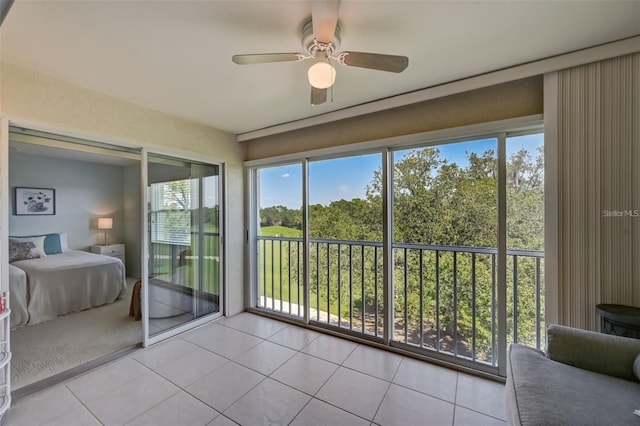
{"x": 374, "y": 61}
{"x": 324, "y": 17}
{"x": 263, "y": 58}
{"x": 318, "y": 96}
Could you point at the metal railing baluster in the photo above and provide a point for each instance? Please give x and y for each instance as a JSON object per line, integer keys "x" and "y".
{"x": 289, "y": 273}
{"x": 318, "y": 281}
{"x": 350, "y": 287}
{"x": 515, "y": 299}
{"x": 273, "y": 276}
{"x": 280, "y": 274}
{"x": 455, "y": 303}
{"x": 473, "y": 306}
{"x": 405, "y": 263}
{"x": 328, "y": 282}
{"x": 438, "y": 333}
{"x": 421, "y": 298}
{"x": 339, "y": 285}
{"x": 494, "y": 328}
{"x": 538, "y": 303}
{"x": 363, "y": 297}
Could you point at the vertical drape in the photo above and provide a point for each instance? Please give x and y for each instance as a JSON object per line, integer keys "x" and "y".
{"x": 598, "y": 188}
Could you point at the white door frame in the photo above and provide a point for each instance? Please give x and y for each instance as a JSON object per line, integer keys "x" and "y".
{"x": 147, "y": 338}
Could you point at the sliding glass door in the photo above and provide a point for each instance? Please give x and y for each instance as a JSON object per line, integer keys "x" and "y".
{"x": 183, "y": 243}
{"x": 435, "y": 248}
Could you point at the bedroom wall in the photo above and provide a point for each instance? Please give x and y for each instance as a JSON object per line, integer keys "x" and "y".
{"x": 133, "y": 224}
{"x": 84, "y": 192}
{"x": 50, "y": 104}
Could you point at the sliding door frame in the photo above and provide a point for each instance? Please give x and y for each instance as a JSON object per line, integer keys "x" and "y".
{"x": 223, "y": 220}
{"x": 4, "y": 196}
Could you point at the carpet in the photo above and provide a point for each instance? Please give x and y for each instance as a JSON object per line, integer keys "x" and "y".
{"x": 42, "y": 350}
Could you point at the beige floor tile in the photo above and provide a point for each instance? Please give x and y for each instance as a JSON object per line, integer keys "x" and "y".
{"x": 319, "y": 413}
{"x": 191, "y": 367}
{"x": 266, "y": 357}
{"x": 103, "y": 380}
{"x": 180, "y": 409}
{"x": 466, "y": 417}
{"x": 77, "y": 417}
{"x": 294, "y": 337}
{"x": 402, "y": 406}
{"x": 224, "y": 341}
{"x": 269, "y": 403}
{"x": 375, "y": 362}
{"x": 254, "y": 324}
{"x": 354, "y": 392}
{"x": 332, "y": 349}
{"x": 225, "y": 385}
{"x": 41, "y": 407}
{"x": 129, "y": 401}
{"x": 481, "y": 395}
{"x": 427, "y": 378}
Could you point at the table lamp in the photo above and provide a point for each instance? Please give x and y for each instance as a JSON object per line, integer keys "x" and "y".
{"x": 105, "y": 223}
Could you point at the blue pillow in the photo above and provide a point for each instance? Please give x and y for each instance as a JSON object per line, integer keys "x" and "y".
{"x": 51, "y": 243}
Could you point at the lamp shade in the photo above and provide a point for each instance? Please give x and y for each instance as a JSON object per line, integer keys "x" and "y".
{"x": 321, "y": 74}
{"x": 105, "y": 223}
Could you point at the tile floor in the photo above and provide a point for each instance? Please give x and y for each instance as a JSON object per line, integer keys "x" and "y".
{"x": 251, "y": 370}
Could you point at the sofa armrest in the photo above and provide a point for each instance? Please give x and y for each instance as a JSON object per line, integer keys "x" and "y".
{"x": 589, "y": 350}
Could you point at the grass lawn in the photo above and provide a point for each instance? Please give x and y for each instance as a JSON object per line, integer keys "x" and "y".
{"x": 274, "y": 270}
{"x": 280, "y": 231}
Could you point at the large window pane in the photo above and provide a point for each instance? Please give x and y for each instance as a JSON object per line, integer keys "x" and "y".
{"x": 525, "y": 239}
{"x": 444, "y": 247}
{"x": 280, "y": 250}
{"x": 345, "y": 252}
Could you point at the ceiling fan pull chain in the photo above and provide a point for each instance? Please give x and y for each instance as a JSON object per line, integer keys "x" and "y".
{"x": 333, "y": 71}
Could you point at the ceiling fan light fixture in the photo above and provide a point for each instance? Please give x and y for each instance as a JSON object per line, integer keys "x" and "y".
{"x": 322, "y": 74}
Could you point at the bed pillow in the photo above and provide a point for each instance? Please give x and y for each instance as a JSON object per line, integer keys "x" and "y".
{"x": 64, "y": 242}
{"x": 52, "y": 242}
{"x": 21, "y": 248}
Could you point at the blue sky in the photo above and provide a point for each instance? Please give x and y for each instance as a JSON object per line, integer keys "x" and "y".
{"x": 347, "y": 178}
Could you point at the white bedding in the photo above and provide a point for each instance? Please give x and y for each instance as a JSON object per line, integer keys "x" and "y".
{"x": 68, "y": 282}
{"x": 18, "y": 296}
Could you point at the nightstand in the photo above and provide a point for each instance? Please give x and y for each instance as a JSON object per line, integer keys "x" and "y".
{"x": 113, "y": 250}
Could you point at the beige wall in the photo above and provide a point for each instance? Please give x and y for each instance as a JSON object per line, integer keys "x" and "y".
{"x": 508, "y": 100}
{"x": 50, "y": 104}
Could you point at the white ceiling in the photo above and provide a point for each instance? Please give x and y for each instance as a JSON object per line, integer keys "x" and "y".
{"x": 175, "y": 56}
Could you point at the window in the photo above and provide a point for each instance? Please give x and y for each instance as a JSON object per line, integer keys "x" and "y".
{"x": 171, "y": 212}
{"x": 435, "y": 247}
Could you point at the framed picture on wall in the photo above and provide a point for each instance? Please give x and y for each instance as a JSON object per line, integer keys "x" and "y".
{"x": 35, "y": 201}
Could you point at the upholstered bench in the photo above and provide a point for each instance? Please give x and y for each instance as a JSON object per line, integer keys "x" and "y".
{"x": 585, "y": 378}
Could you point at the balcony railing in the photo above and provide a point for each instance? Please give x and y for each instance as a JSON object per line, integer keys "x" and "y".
{"x": 180, "y": 264}
{"x": 445, "y": 297}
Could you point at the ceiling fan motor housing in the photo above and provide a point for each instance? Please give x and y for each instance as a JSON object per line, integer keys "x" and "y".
{"x": 311, "y": 45}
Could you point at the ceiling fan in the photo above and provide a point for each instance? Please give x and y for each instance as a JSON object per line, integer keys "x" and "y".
{"x": 320, "y": 40}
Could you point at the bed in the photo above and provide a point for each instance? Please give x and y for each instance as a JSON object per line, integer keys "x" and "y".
{"x": 63, "y": 282}
{"x": 18, "y": 296}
